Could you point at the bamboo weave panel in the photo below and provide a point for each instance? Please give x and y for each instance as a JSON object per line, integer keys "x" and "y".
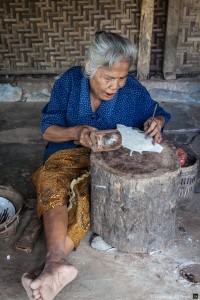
{"x": 47, "y": 35}
{"x": 188, "y": 50}
{"x": 158, "y": 36}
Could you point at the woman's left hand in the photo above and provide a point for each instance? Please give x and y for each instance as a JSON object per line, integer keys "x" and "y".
{"x": 153, "y": 127}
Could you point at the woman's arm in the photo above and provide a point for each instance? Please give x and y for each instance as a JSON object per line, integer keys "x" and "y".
{"x": 80, "y": 134}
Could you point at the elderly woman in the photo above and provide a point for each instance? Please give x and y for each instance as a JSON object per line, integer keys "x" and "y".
{"x": 98, "y": 96}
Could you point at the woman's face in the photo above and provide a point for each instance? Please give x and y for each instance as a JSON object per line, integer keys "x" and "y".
{"x": 107, "y": 80}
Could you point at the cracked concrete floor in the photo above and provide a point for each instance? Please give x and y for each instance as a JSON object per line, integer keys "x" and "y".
{"x": 102, "y": 275}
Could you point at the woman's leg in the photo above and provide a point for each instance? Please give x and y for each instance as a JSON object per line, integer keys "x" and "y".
{"x": 56, "y": 272}
{"x": 55, "y": 222}
{"x": 53, "y": 185}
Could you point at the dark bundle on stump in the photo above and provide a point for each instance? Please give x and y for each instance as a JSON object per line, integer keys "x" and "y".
{"x": 133, "y": 198}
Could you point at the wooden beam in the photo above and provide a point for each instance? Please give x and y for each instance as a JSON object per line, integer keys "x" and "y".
{"x": 171, "y": 39}
{"x": 145, "y": 36}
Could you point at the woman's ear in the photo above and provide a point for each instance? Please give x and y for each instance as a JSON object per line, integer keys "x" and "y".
{"x": 87, "y": 67}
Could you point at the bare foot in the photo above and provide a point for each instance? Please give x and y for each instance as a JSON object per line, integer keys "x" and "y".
{"x": 49, "y": 270}
{"x": 28, "y": 278}
{"x": 54, "y": 277}
{"x": 26, "y": 281}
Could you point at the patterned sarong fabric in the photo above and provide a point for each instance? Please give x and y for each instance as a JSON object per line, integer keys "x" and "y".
{"x": 64, "y": 180}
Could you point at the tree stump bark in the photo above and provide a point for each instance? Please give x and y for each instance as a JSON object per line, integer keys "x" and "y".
{"x": 133, "y": 198}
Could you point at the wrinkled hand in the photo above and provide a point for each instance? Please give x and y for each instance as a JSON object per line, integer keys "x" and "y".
{"x": 153, "y": 128}
{"x": 83, "y": 135}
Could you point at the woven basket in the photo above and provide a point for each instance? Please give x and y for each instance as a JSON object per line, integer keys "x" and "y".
{"x": 9, "y": 227}
{"x": 188, "y": 178}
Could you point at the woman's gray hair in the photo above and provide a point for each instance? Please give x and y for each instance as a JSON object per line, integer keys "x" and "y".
{"x": 106, "y": 49}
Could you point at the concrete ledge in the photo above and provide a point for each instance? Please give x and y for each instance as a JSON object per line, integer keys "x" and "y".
{"x": 184, "y": 90}
{"x": 38, "y": 89}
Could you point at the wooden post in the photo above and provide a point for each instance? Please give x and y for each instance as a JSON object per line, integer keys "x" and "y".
{"x": 145, "y": 36}
{"x": 171, "y": 39}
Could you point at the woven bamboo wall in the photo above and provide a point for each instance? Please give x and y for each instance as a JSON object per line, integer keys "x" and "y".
{"x": 158, "y": 37}
{"x": 48, "y": 36}
{"x": 188, "y": 50}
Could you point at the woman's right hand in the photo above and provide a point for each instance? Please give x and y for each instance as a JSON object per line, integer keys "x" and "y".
{"x": 83, "y": 135}
{"x": 79, "y": 134}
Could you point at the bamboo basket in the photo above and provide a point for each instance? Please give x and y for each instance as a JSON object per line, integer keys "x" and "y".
{"x": 188, "y": 178}
{"x": 9, "y": 227}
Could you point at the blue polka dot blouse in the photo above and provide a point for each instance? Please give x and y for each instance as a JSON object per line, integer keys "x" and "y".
{"x": 70, "y": 106}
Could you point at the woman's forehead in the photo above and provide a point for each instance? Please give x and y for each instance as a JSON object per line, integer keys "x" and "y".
{"x": 120, "y": 68}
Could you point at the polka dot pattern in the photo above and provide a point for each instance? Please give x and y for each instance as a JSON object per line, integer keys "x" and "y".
{"x": 70, "y": 106}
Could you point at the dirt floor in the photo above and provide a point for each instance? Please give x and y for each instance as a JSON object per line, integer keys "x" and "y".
{"x": 102, "y": 275}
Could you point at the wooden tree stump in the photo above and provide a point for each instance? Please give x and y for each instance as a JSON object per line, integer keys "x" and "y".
{"x": 133, "y": 198}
